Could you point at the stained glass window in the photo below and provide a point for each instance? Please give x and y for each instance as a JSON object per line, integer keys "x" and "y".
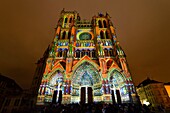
{"x": 85, "y": 36}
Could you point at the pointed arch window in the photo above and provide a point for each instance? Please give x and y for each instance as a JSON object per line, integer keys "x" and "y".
{"x": 78, "y": 54}
{"x": 93, "y": 53}
{"x": 88, "y": 52}
{"x": 69, "y": 35}
{"x": 65, "y": 21}
{"x": 100, "y": 24}
{"x": 106, "y": 52}
{"x": 107, "y": 35}
{"x": 64, "y": 34}
{"x": 101, "y": 35}
{"x": 65, "y": 53}
{"x": 111, "y": 52}
{"x": 82, "y": 53}
{"x": 70, "y": 20}
{"x": 104, "y": 23}
{"x": 60, "y": 53}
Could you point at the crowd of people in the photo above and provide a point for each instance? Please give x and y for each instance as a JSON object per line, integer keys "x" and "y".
{"x": 98, "y": 108}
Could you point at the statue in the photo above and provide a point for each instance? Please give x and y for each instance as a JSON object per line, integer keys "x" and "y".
{"x": 100, "y": 49}
{"x": 70, "y": 48}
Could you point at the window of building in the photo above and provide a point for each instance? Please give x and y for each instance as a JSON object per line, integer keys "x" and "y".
{"x": 66, "y": 20}
{"x": 111, "y": 52}
{"x": 87, "y": 52}
{"x": 106, "y": 52}
{"x": 100, "y": 24}
{"x": 101, "y": 35}
{"x": 82, "y": 53}
{"x": 107, "y": 35}
{"x": 4, "y": 110}
{"x": 7, "y": 102}
{"x": 93, "y": 53}
{"x": 16, "y": 102}
{"x": 64, "y": 34}
{"x": 105, "y": 24}
{"x": 78, "y": 54}
{"x": 70, "y": 20}
{"x": 65, "y": 53}
{"x": 60, "y": 53}
{"x": 69, "y": 35}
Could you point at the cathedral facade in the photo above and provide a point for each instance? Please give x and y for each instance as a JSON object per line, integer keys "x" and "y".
{"x": 85, "y": 63}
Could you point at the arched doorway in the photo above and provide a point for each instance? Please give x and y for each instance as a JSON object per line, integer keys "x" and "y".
{"x": 118, "y": 86}
{"x": 86, "y": 83}
{"x": 54, "y": 91}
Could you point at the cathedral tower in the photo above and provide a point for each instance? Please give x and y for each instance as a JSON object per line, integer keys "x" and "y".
{"x": 85, "y": 63}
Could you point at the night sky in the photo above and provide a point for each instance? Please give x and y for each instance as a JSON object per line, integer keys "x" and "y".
{"x": 142, "y": 28}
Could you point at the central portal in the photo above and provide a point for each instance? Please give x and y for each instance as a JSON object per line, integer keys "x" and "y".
{"x": 86, "y": 84}
{"x": 86, "y": 95}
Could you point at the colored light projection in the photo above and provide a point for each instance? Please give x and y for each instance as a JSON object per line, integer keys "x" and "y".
{"x": 85, "y": 36}
{"x": 86, "y": 74}
{"x": 56, "y": 80}
{"x": 47, "y": 88}
{"x": 117, "y": 81}
{"x": 85, "y": 54}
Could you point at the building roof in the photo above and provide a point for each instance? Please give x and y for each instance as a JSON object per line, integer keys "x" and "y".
{"x": 147, "y": 81}
{"x": 168, "y": 83}
{"x": 10, "y": 83}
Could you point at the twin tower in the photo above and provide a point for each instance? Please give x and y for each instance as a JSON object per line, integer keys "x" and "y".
{"x": 85, "y": 63}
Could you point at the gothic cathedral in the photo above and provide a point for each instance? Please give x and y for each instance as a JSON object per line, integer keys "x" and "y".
{"x": 85, "y": 63}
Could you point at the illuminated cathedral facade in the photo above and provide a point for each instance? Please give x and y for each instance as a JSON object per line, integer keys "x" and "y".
{"x": 85, "y": 63}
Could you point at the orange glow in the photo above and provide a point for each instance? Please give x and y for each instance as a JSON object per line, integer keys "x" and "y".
{"x": 167, "y": 87}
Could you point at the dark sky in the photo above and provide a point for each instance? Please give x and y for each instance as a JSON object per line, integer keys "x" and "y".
{"x": 142, "y": 27}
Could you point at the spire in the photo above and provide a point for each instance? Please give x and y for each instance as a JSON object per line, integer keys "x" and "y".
{"x": 63, "y": 10}
{"x": 107, "y": 15}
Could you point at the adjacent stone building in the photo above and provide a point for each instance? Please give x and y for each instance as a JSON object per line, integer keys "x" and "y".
{"x": 153, "y": 92}
{"x": 13, "y": 99}
{"x": 10, "y": 93}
